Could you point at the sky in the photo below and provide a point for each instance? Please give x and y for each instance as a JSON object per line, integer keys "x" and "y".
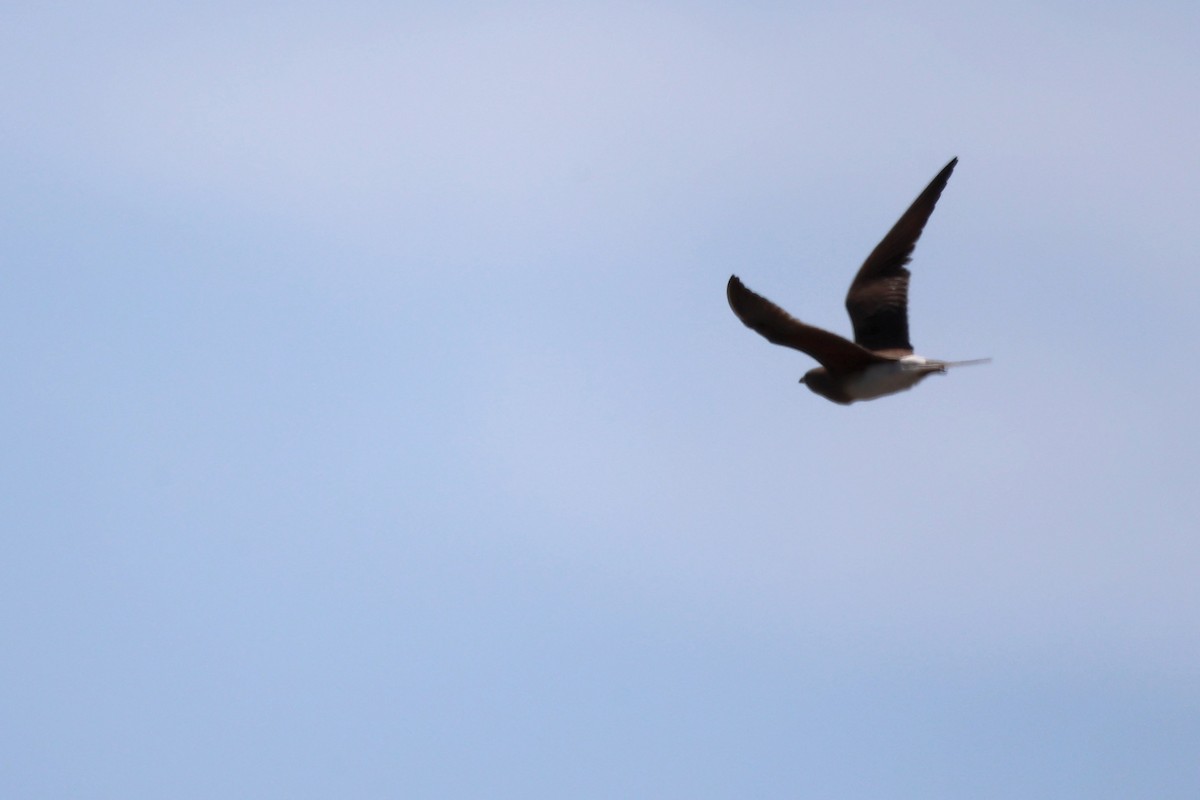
{"x": 375, "y": 424}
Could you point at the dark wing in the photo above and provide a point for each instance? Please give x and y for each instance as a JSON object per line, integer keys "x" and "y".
{"x": 779, "y": 327}
{"x": 878, "y": 298}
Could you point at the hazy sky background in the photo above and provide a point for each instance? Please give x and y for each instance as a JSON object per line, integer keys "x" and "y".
{"x": 375, "y": 424}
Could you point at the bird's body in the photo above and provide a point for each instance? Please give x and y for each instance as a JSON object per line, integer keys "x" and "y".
{"x": 880, "y": 361}
{"x": 880, "y": 380}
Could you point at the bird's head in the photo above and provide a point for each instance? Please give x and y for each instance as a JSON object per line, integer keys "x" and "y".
{"x": 813, "y": 377}
{"x": 820, "y": 382}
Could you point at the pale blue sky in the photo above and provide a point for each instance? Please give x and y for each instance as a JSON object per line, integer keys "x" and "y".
{"x": 375, "y": 424}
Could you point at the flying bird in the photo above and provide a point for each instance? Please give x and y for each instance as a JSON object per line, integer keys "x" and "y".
{"x": 880, "y": 361}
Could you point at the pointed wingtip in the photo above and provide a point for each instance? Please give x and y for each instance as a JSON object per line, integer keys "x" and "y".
{"x": 731, "y": 286}
{"x": 734, "y": 285}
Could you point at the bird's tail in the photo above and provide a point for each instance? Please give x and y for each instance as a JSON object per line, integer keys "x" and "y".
{"x": 945, "y": 365}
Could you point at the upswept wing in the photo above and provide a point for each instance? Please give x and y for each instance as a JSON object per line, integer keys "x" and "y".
{"x": 779, "y": 327}
{"x": 878, "y": 297}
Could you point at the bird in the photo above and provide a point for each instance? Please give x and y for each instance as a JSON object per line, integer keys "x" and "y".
{"x": 880, "y": 361}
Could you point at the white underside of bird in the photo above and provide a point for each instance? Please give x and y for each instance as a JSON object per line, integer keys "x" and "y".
{"x": 879, "y": 380}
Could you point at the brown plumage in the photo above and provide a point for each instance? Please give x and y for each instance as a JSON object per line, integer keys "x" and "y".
{"x": 880, "y": 360}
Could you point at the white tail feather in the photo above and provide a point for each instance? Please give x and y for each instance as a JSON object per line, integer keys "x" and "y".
{"x": 942, "y": 366}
